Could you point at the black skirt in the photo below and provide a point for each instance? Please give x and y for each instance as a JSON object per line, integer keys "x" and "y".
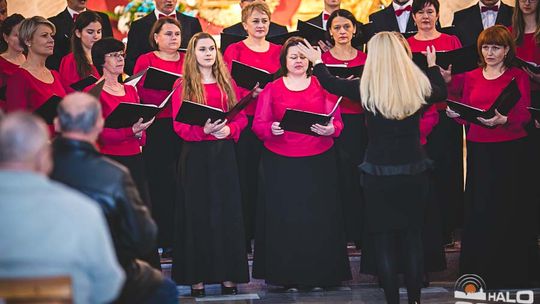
{"x": 209, "y": 243}
{"x": 160, "y": 156}
{"x": 351, "y": 147}
{"x": 248, "y": 155}
{"x": 300, "y": 238}
{"x": 393, "y": 204}
{"x": 445, "y": 147}
{"x": 497, "y": 235}
{"x": 135, "y": 164}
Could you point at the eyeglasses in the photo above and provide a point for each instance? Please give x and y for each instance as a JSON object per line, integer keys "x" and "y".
{"x": 116, "y": 55}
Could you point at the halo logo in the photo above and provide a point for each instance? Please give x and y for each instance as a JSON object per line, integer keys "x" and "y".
{"x": 472, "y": 287}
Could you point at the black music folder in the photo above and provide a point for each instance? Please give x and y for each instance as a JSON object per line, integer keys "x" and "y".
{"x": 228, "y": 39}
{"x": 342, "y": 71}
{"x": 126, "y": 114}
{"x": 156, "y": 79}
{"x": 280, "y": 39}
{"x": 247, "y": 76}
{"x": 3, "y": 91}
{"x": 47, "y": 110}
{"x": 83, "y": 83}
{"x": 449, "y": 30}
{"x": 520, "y": 63}
{"x": 301, "y": 121}
{"x": 503, "y": 104}
{"x": 535, "y": 113}
{"x": 311, "y": 32}
{"x": 197, "y": 114}
{"x": 462, "y": 60}
{"x": 96, "y": 90}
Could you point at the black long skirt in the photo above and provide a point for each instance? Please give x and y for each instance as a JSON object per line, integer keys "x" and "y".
{"x": 135, "y": 164}
{"x": 209, "y": 243}
{"x": 351, "y": 147}
{"x": 248, "y": 155}
{"x": 497, "y": 235}
{"x": 160, "y": 156}
{"x": 393, "y": 204}
{"x": 300, "y": 237}
{"x": 445, "y": 147}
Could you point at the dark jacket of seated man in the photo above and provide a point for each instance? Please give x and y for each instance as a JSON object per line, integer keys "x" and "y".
{"x": 79, "y": 165}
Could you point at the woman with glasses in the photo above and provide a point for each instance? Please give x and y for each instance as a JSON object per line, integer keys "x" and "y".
{"x": 162, "y": 144}
{"x": 123, "y": 144}
{"x": 254, "y": 51}
{"x": 33, "y": 84}
{"x": 496, "y": 162}
{"x": 77, "y": 65}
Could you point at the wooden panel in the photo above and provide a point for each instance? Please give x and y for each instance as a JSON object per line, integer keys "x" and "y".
{"x": 42, "y": 290}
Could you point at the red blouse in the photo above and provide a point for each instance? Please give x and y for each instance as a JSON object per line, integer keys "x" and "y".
{"x": 528, "y": 50}
{"x": 268, "y": 61}
{"x": 481, "y": 93}
{"x": 150, "y": 96}
{"x": 6, "y": 70}
{"x": 68, "y": 72}
{"x": 26, "y": 92}
{"x": 120, "y": 142}
{"x": 347, "y": 106}
{"x": 275, "y": 99}
{"x": 214, "y": 98}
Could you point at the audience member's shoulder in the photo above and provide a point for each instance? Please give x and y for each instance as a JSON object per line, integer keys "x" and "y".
{"x": 70, "y": 201}
{"x": 113, "y": 166}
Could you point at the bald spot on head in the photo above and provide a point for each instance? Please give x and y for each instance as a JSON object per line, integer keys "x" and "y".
{"x": 78, "y": 112}
{"x": 22, "y": 137}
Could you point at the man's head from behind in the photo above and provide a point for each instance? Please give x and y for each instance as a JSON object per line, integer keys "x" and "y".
{"x": 79, "y": 117}
{"x": 24, "y": 143}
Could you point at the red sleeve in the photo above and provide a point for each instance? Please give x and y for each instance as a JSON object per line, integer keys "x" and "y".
{"x": 113, "y": 136}
{"x": 16, "y": 92}
{"x": 428, "y": 121}
{"x": 519, "y": 115}
{"x": 230, "y": 55}
{"x": 141, "y": 64}
{"x": 64, "y": 72}
{"x": 264, "y": 117}
{"x": 185, "y": 131}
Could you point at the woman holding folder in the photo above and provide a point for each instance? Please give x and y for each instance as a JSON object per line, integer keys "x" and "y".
{"x": 300, "y": 239}
{"x": 395, "y": 177}
{"x": 162, "y": 144}
{"x": 351, "y": 144}
{"x": 256, "y": 52}
{"x": 209, "y": 247}
{"x": 496, "y": 162}
{"x": 77, "y": 65}
{"x": 33, "y": 84}
{"x": 13, "y": 57}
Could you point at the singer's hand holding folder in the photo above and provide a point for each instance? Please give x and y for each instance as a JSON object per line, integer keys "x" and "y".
{"x": 503, "y": 104}
{"x": 247, "y": 76}
{"x": 301, "y": 121}
{"x": 197, "y": 114}
{"x": 156, "y": 79}
{"x": 126, "y": 113}
{"x": 462, "y": 60}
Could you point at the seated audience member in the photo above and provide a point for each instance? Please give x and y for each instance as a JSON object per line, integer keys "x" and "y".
{"x": 79, "y": 165}
{"x": 47, "y": 229}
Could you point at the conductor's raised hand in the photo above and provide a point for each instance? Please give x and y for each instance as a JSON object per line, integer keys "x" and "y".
{"x": 496, "y": 120}
{"x": 276, "y": 129}
{"x": 446, "y": 74}
{"x": 211, "y": 127}
{"x": 310, "y": 52}
{"x": 431, "y": 56}
{"x": 324, "y": 45}
{"x": 323, "y": 130}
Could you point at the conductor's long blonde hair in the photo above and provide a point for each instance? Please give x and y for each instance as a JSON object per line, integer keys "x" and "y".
{"x": 192, "y": 86}
{"x": 391, "y": 84}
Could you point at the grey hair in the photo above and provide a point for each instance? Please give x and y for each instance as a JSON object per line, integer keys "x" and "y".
{"x": 22, "y": 137}
{"x": 86, "y": 116}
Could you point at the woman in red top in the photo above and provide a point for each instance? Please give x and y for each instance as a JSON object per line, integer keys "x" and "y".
{"x": 300, "y": 237}
{"x": 124, "y": 144}
{"x": 33, "y": 84}
{"x": 162, "y": 145}
{"x": 13, "y": 57}
{"x": 77, "y": 65}
{"x": 351, "y": 144}
{"x": 496, "y": 181}
{"x": 254, "y": 51}
{"x": 210, "y": 233}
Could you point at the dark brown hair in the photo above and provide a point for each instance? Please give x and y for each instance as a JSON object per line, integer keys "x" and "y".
{"x": 295, "y": 40}
{"x": 84, "y": 68}
{"x": 518, "y": 24}
{"x": 156, "y": 28}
